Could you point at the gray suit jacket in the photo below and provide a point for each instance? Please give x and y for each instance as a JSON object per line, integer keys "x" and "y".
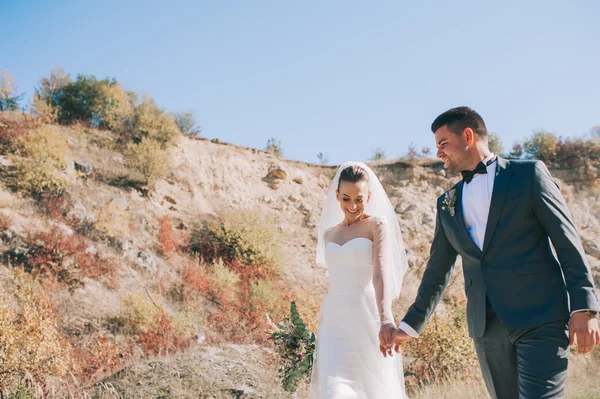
{"x": 526, "y": 285}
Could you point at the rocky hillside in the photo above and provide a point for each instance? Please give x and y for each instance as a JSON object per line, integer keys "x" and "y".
{"x": 208, "y": 179}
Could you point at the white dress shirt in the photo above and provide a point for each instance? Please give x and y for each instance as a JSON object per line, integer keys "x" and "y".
{"x": 476, "y": 200}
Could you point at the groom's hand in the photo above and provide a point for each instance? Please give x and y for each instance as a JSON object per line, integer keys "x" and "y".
{"x": 385, "y": 338}
{"x": 583, "y": 329}
{"x": 400, "y": 337}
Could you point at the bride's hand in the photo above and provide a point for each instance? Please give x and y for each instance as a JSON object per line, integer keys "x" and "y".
{"x": 386, "y": 339}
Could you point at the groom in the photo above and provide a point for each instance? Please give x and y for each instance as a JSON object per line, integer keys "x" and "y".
{"x": 524, "y": 306}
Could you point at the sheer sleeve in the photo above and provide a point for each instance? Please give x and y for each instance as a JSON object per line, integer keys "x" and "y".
{"x": 382, "y": 258}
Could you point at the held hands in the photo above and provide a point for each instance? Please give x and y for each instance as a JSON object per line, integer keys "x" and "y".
{"x": 390, "y": 339}
{"x": 386, "y": 333}
{"x": 583, "y": 329}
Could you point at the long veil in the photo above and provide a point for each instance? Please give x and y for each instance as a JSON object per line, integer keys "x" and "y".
{"x": 379, "y": 205}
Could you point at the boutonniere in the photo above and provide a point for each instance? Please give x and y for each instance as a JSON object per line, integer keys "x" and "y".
{"x": 450, "y": 201}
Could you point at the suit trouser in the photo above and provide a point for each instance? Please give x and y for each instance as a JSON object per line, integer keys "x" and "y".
{"x": 523, "y": 363}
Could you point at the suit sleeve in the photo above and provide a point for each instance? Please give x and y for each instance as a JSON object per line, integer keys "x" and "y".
{"x": 442, "y": 258}
{"x": 552, "y": 212}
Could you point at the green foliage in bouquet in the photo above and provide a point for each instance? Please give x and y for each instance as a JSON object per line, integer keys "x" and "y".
{"x": 296, "y": 347}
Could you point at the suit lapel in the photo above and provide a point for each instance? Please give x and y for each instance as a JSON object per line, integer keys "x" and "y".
{"x": 460, "y": 218}
{"x": 501, "y": 182}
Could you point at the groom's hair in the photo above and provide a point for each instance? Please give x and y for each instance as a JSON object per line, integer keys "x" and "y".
{"x": 458, "y": 119}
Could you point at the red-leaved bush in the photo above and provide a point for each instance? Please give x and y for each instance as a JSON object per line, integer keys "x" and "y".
{"x": 11, "y": 131}
{"x": 160, "y": 337}
{"x": 99, "y": 356}
{"x": 63, "y": 258}
{"x": 166, "y": 239}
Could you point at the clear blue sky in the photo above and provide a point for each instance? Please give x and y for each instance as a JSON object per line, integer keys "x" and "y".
{"x": 341, "y": 77}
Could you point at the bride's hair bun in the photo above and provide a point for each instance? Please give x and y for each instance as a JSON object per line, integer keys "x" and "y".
{"x": 353, "y": 174}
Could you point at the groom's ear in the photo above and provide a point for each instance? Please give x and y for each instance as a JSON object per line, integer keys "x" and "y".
{"x": 469, "y": 135}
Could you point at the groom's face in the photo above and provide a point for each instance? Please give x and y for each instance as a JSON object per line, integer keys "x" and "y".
{"x": 452, "y": 149}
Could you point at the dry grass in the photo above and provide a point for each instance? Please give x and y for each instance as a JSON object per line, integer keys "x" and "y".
{"x": 582, "y": 383}
{"x": 113, "y": 221}
{"x": 231, "y": 371}
{"x": 101, "y": 149}
{"x": 443, "y": 348}
{"x": 31, "y": 347}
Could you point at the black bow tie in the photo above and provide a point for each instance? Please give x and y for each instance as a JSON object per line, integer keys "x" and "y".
{"x": 481, "y": 169}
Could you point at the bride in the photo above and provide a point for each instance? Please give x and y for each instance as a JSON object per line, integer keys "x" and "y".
{"x": 361, "y": 246}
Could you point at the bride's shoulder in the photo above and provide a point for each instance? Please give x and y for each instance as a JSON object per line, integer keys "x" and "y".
{"x": 330, "y": 232}
{"x": 377, "y": 220}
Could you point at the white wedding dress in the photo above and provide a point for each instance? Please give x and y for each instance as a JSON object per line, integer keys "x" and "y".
{"x": 348, "y": 363}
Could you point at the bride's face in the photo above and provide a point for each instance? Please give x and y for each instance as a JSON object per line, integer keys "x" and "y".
{"x": 353, "y": 197}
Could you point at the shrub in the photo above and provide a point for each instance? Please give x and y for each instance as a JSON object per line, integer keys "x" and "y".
{"x": 222, "y": 281}
{"x": 443, "y": 350}
{"x": 9, "y": 100}
{"x": 323, "y": 158}
{"x": 542, "y": 146}
{"x": 100, "y": 356}
{"x": 246, "y": 311}
{"x": 63, "y": 258}
{"x": 150, "y": 122}
{"x": 79, "y": 101}
{"x": 195, "y": 280}
{"x": 265, "y": 296}
{"x": 115, "y": 106}
{"x": 249, "y": 246}
{"x": 161, "y": 337}
{"x": 166, "y": 240}
{"x": 378, "y": 154}
{"x": 113, "y": 221}
{"x": 5, "y": 222}
{"x": 10, "y": 133}
{"x": 101, "y": 103}
{"x": 45, "y": 106}
{"x": 149, "y": 158}
{"x": 187, "y": 123}
{"x": 152, "y": 327}
{"x": 49, "y": 89}
{"x": 43, "y": 153}
{"x": 236, "y": 311}
{"x": 495, "y": 143}
{"x": 53, "y": 204}
{"x": 274, "y": 147}
{"x": 30, "y": 343}
{"x": 42, "y": 110}
{"x": 241, "y": 265}
{"x": 516, "y": 152}
{"x": 558, "y": 151}
{"x": 138, "y": 313}
{"x": 412, "y": 152}
{"x": 574, "y": 151}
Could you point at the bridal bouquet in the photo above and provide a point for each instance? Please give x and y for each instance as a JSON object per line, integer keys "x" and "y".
{"x": 295, "y": 346}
